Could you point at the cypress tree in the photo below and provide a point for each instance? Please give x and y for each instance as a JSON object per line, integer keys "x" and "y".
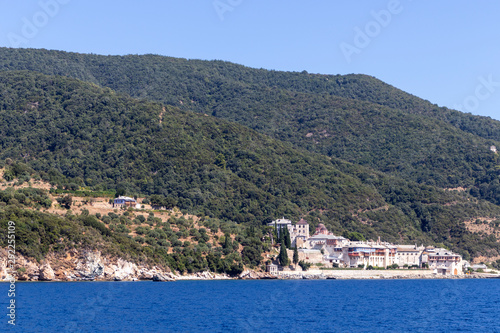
{"x": 295, "y": 255}
{"x": 227, "y": 242}
{"x": 288, "y": 242}
{"x": 283, "y": 256}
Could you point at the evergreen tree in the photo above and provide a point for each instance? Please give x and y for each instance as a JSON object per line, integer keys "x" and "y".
{"x": 288, "y": 242}
{"x": 283, "y": 256}
{"x": 295, "y": 255}
{"x": 227, "y": 241}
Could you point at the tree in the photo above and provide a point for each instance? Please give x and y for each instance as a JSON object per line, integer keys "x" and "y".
{"x": 288, "y": 242}
{"x": 283, "y": 256}
{"x": 251, "y": 256}
{"x": 170, "y": 202}
{"x": 295, "y": 255}
{"x": 120, "y": 191}
{"x": 227, "y": 241}
{"x": 304, "y": 265}
{"x": 220, "y": 161}
{"x": 65, "y": 201}
{"x": 354, "y": 236}
{"x": 157, "y": 201}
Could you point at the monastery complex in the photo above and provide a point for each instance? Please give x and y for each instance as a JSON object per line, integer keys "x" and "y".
{"x": 335, "y": 251}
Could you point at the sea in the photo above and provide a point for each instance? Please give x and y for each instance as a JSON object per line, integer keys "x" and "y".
{"x": 461, "y": 305}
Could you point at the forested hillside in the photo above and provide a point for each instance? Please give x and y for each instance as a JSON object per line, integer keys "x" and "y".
{"x": 354, "y": 117}
{"x": 78, "y": 134}
{"x": 167, "y": 239}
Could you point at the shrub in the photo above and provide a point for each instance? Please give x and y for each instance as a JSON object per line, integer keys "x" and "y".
{"x": 304, "y": 265}
{"x": 93, "y": 222}
{"x": 65, "y": 201}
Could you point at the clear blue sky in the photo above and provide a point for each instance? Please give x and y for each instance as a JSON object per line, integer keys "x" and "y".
{"x": 447, "y": 52}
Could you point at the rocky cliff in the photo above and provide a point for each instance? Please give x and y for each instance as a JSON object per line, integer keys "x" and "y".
{"x": 81, "y": 266}
{"x": 93, "y": 266}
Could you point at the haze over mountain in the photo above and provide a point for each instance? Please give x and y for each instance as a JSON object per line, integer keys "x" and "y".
{"x": 348, "y": 151}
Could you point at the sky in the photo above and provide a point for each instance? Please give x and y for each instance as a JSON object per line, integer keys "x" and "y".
{"x": 447, "y": 52}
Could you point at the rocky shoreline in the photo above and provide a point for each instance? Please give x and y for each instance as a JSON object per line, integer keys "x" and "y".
{"x": 93, "y": 266}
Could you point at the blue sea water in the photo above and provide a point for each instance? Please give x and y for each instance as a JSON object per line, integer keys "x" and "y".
{"x": 257, "y": 306}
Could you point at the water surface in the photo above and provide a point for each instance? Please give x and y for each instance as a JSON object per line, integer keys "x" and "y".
{"x": 257, "y": 306}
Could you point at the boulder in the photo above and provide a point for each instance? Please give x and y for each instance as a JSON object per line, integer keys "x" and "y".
{"x": 125, "y": 270}
{"x": 90, "y": 266}
{"x": 145, "y": 274}
{"x": 46, "y": 273}
{"x": 252, "y": 275}
{"x": 159, "y": 277}
{"x": 205, "y": 275}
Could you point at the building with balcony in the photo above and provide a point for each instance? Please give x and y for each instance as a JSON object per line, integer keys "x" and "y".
{"x": 125, "y": 202}
{"x": 369, "y": 254}
{"x": 443, "y": 261}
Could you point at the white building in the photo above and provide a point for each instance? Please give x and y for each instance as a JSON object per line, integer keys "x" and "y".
{"x": 443, "y": 261}
{"x": 280, "y": 224}
{"x": 339, "y": 250}
{"x": 125, "y": 201}
{"x": 298, "y": 232}
{"x": 369, "y": 254}
{"x": 326, "y": 242}
{"x": 272, "y": 269}
{"x": 409, "y": 255}
{"x": 302, "y": 228}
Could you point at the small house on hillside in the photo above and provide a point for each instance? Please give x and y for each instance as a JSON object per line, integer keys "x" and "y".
{"x": 272, "y": 269}
{"x": 125, "y": 202}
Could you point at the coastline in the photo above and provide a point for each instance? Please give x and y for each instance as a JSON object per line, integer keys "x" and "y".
{"x": 378, "y": 274}
{"x": 75, "y": 266}
{"x": 307, "y": 275}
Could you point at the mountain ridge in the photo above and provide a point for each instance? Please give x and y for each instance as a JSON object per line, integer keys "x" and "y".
{"x": 262, "y": 100}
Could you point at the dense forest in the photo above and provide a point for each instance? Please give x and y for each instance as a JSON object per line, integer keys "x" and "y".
{"x": 353, "y": 117}
{"x": 77, "y": 134}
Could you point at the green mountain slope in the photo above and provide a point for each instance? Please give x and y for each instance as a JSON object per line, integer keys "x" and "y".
{"x": 68, "y": 129}
{"x": 355, "y": 117}
{"x": 172, "y": 80}
{"x": 75, "y": 132}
